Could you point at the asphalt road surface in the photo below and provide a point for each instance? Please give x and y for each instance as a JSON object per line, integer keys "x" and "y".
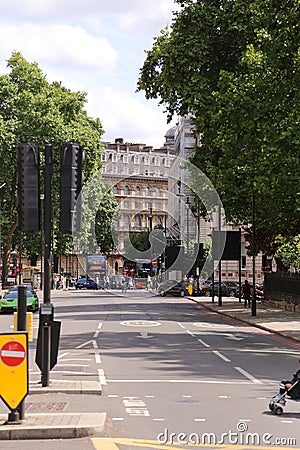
{"x": 172, "y": 374}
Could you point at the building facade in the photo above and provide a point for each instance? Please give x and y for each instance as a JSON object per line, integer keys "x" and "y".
{"x": 138, "y": 176}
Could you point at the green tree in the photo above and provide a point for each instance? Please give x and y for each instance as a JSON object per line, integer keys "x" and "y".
{"x": 234, "y": 66}
{"x": 34, "y": 110}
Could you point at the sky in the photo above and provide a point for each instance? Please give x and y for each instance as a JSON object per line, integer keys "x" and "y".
{"x": 94, "y": 46}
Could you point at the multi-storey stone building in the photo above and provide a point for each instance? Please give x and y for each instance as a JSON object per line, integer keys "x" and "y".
{"x": 138, "y": 175}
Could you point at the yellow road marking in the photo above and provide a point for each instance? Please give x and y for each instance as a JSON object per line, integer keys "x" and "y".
{"x": 113, "y": 444}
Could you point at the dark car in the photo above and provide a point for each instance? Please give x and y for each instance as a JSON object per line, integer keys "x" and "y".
{"x": 229, "y": 289}
{"x": 85, "y": 283}
{"x": 173, "y": 287}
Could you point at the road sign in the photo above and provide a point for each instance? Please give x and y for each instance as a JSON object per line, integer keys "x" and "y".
{"x": 13, "y": 368}
{"x": 12, "y": 353}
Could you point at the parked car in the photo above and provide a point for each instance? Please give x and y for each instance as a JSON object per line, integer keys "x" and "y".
{"x": 116, "y": 281}
{"x": 9, "y": 302}
{"x": 173, "y": 287}
{"x": 85, "y": 283}
{"x": 229, "y": 289}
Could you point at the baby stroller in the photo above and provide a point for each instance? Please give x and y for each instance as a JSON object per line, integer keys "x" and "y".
{"x": 293, "y": 393}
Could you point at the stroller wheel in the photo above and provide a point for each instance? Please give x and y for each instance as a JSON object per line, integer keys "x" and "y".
{"x": 278, "y": 410}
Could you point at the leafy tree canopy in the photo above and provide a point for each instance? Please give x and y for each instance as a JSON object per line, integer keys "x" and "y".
{"x": 234, "y": 67}
{"x": 34, "y": 110}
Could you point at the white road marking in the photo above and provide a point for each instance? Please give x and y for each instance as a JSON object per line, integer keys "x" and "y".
{"x": 180, "y": 381}
{"x": 157, "y": 419}
{"x": 62, "y": 355}
{"x": 95, "y": 345}
{"x": 287, "y": 421}
{"x": 117, "y": 418}
{"x": 212, "y": 325}
{"x": 180, "y": 324}
{"x": 100, "y": 325}
{"x": 76, "y": 359}
{"x": 96, "y": 334}
{"x": 97, "y": 358}
{"x": 221, "y": 356}
{"x": 189, "y": 332}
{"x": 203, "y": 343}
{"x": 186, "y": 396}
{"x": 140, "y": 323}
{"x": 149, "y": 396}
{"x": 84, "y": 344}
{"x": 113, "y": 396}
{"x": 248, "y": 375}
{"x": 101, "y": 377}
{"x": 199, "y": 420}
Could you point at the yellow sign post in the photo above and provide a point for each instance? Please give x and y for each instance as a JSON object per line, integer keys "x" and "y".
{"x": 13, "y": 368}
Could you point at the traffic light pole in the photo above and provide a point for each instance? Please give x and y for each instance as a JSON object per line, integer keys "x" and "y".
{"x": 46, "y": 328}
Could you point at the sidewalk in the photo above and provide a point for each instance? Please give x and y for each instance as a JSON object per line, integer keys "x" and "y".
{"x": 281, "y": 322}
{"x": 55, "y": 412}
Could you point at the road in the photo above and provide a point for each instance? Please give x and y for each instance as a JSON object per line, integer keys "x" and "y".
{"x": 170, "y": 371}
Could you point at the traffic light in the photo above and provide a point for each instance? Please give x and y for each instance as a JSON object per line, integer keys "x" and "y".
{"x": 71, "y": 162}
{"x": 28, "y": 170}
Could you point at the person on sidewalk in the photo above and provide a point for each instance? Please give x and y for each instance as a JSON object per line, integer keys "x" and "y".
{"x": 246, "y": 293}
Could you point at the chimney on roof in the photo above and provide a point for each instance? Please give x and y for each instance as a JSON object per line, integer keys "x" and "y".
{"x": 119, "y": 140}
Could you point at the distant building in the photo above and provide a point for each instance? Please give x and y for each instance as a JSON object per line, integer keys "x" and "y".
{"x": 138, "y": 175}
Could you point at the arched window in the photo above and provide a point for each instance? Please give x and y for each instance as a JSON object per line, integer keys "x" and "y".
{"x": 148, "y": 192}
{"x": 157, "y": 192}
{"x": 137, "y": 190}
{"x": 126, "y": 190}
{"x": 115, "y": 189}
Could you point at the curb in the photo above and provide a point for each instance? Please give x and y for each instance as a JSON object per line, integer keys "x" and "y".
{"x": 66, "y": 387}
{"x": 62, "y": 426}
{"x": 248, "y": 322}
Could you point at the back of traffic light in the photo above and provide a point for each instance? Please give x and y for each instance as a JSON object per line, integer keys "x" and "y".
{"x": 28, "y": 170}
{"x": 71, "y": 163}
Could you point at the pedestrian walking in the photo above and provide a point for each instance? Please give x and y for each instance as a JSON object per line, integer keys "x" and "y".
{"x": 247, "y": 293}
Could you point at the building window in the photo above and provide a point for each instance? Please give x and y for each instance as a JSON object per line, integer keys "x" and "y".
{"x": 127, "y": 222}
{"x": 138, "y": 205}
{"x": 103, "y": 170}
{"x": 157, "y": 192}
{"x": 157, "y": 162}
{"x": 136, "y": 159}
{"x": 167, "y": 162}
{"x": 244, "y": 262}
{"x": 138, "y": 221}
{"x": 103, "y": 157}
{"x": 125, "y": 159}
{"x": 115, "y": 190}
{"x": 126, "y": 204}
{"x": 126, "y": 190}
{"x": 148, "y": 192}
{"x": 114, "y": 158}
{"x": 158, "y": 206}
{"x": 137, "y": 190}
{"x": 146, "y": 161}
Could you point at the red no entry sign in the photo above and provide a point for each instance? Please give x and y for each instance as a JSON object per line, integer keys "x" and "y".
{"x": 12, "y": 353}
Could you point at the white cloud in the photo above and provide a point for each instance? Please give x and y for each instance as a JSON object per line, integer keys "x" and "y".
{"x": 134, "y": 120}
{"x": 138, "y": 13}
{"x": 59, "y": 45}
